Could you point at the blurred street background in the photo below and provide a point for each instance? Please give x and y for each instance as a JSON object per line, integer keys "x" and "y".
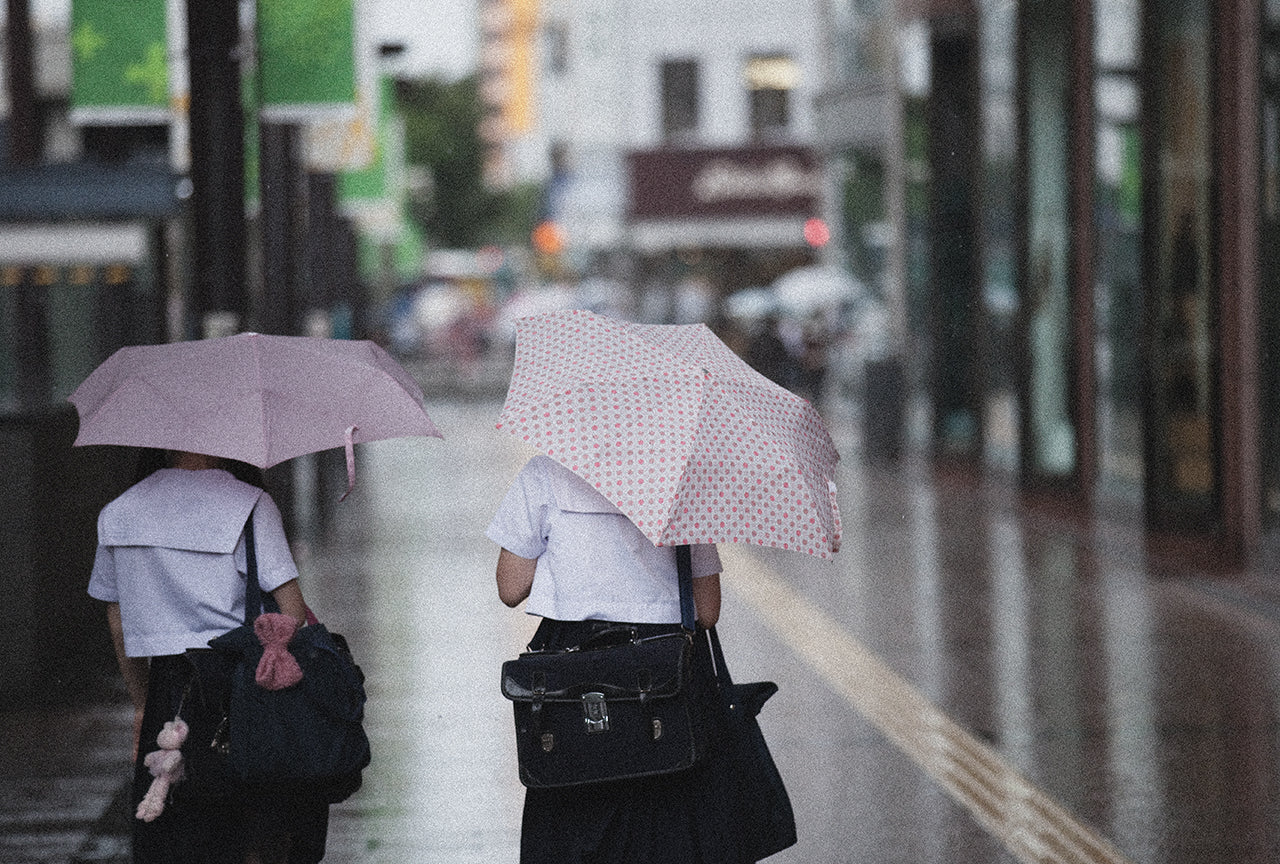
{"x": 1020, "y": 255}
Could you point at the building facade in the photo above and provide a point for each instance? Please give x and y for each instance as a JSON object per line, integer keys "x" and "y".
{"x": 675, "y": 141}
{"x": 1089, "y": 198}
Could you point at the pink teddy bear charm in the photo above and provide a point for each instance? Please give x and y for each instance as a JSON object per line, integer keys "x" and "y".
{"x": 166, "y": 767}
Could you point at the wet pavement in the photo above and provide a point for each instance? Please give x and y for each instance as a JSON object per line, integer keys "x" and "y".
{"x": 967, "y": 681}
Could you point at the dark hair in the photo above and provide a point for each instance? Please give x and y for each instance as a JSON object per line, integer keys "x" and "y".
{"x": 152, "y": 459}
{"x": 245, "y": 472}
{"x": 149, "y": 460}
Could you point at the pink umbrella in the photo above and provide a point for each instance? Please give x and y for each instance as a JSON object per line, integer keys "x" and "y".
{"x": 260, "y": 399}
{"x": 685, "y": 438}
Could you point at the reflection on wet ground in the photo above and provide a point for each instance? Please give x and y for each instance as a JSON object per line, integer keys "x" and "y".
{"x": 965, "y": 682}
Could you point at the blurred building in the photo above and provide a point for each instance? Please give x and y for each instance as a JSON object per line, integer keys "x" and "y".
{"x": 87, "y": 234}
{"x": 99, "y": 241}
{"x": 1082, "y": 197}
{"x": 675, "y": 140}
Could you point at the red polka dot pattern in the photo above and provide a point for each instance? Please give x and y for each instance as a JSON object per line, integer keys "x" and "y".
{"x": 690, "y": 442}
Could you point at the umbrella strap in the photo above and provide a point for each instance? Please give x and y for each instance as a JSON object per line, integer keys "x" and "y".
{"x": 349, "y": 444}
{"x": 254, "y": 596}
{"x": 684, "y": 570}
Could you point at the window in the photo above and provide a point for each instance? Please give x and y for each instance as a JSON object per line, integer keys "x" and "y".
{"x": 1050, "y": 439}
{"x": 557, "y": 46}
{"x": 679, "y": 97}
{"x": 1182, "y": 470}
{"x": 770, "y": 80}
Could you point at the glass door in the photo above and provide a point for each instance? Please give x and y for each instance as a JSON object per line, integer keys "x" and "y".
{"x": 1182, "y": 479}
{"x": 1049, "y": 439}
{"x": 1118, "y": 273}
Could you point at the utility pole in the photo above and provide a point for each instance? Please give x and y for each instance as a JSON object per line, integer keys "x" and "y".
{"x": 217, "y": 167}
{"x": 280, "y": 191}
{"x": 24, "y": 119}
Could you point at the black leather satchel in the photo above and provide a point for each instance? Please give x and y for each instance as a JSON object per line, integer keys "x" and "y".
{"x": 615, "y": 707}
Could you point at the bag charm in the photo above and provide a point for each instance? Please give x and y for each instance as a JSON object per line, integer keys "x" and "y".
{"x": 277, "y": 669}
{"x": 166, "y": 765}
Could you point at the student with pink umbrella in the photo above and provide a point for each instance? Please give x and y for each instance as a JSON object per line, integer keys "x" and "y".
{"x": 174, "y": 550}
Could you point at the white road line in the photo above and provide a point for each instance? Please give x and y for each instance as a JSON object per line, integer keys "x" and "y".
{"x": 1030, "y": 824}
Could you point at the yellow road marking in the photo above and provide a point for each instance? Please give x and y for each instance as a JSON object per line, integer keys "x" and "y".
{"x": 1034, "y": 828}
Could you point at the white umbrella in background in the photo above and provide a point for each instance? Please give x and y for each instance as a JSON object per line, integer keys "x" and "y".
{"x": 750, "y": 304}
{"x": 820, "y": 287}
{"x": 530, "y": 301}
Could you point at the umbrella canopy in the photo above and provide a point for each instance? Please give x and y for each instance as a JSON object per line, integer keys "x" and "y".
{"x": 259, "y": 399}
{"x": 750, "y": 304}
{"x": 806, "y": 290}
{"x": 685, "y": 438}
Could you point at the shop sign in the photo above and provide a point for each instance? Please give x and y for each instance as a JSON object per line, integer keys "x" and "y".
{"x": 752, "y": 181}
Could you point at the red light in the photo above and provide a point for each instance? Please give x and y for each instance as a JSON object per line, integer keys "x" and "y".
{"x": 816, "y": 233}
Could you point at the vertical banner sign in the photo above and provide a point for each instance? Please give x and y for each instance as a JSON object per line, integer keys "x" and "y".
{"x": 119, "y": 62}
{"x": 306, "y": 59}
{"x": 373, "y": 197}
{"x": 521, "y": 48}
{"x": 370, "y": 185}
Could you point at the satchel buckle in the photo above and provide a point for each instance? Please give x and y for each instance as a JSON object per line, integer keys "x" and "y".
{"x": 595, "y": 712}
{"x": 221, "y": 743}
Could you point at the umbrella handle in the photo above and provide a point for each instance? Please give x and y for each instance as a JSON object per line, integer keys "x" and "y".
{"x": 835, "y": 516}
{"x": 349, "y": 442}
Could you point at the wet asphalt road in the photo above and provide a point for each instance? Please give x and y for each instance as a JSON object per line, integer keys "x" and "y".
{"x": 965, "y": 682}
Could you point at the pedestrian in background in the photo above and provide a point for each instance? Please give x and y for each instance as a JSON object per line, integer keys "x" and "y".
{"x": 171, "y": 566}
{"x": 583, "y": 567}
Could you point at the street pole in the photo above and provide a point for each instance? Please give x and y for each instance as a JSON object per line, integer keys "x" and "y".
{"x": 279, "y": 193}
{"x": 24, "y": 122}
{"x": 217, "y": 167}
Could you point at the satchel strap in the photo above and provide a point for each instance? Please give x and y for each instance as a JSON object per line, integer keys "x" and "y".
{"x": 254, "y": 597}
{"x": 684, "y": 569}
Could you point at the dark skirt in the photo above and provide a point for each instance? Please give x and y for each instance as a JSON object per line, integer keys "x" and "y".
{"x": 672, "y": 819}
{"x": 202, "y": 829}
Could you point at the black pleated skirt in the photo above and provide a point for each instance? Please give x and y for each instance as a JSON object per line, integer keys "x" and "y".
{"x": 672, "y": 819}
{"x": 217, "y": 830}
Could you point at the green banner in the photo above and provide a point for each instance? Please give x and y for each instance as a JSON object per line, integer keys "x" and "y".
{"x": 119, "y": 62}
{"x": 306, "y": 58}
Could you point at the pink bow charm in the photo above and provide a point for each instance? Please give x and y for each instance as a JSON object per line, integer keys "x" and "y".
{"x": 277, "y": 669}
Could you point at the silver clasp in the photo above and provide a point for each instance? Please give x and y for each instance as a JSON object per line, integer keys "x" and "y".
{"x": 595, "y": 712}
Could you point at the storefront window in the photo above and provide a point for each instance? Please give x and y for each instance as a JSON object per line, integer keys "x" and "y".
{"x": 93, "y": 292}
{"x": 1050, "y": 440}
{"x": 1182, "y": 474}
{"x": 1118, "y": 214}
{"x": 1269, "y": 289}
{"x": 999, "y": 220}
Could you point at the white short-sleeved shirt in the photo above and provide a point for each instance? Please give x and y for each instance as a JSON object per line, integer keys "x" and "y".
{"x": 593, "y": 562}
{"x": 171, "y": 552}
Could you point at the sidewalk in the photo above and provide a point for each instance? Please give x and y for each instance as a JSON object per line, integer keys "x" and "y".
{"x": 1132, "y": 696}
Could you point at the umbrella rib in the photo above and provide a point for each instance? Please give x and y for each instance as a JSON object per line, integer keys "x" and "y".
{"x": 260, "y": 389}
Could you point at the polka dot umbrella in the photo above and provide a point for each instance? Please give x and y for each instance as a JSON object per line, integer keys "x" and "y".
{"x": 685, "y": 438}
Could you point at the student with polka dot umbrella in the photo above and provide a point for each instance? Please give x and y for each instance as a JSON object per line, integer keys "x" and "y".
{"x": 673, "y": 428}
